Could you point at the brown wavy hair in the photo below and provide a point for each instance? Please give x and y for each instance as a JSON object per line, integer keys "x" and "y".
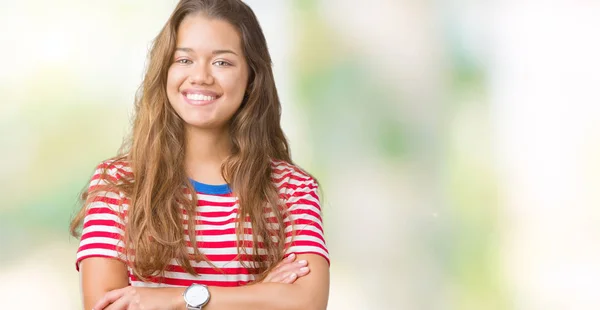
{"x": 155, "y": 153}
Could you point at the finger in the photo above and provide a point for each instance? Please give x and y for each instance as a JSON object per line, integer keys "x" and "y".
{"x": 134, "y": 305}
{"x": 285, "y": 262}
{"x": 302, "y": 272}
{"x": 279, "y": 274}
{"x": 290, "y": 258}
{"x": 109, "y": 298}
{"x": 291, "y": 276}
{"x": 120, "y": 304}
{"x": 289, "y": 279}
{"x": 287, "y": 268}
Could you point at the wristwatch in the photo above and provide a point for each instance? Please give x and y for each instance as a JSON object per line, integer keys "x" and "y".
{"x": 196, "y": 296}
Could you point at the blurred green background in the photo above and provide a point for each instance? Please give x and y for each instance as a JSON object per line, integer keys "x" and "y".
{"x": 457, "y": 142}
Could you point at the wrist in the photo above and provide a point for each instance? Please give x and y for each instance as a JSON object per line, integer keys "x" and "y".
{"x": 177, "y": 301}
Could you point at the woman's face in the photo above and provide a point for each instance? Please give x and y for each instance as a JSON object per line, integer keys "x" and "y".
{"x": 207, "y": 79}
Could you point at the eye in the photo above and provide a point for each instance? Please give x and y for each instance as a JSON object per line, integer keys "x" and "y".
{"x": 221, "y": 63}
{"x": 184, "y": 61}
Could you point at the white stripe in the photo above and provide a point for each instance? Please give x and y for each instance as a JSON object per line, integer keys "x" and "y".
{"x": 101, "y": 204}
{"x": 210, "y": 277}
{"x": 299, "y": 228}
{"x": 225, "y": 251}
{"x": 213, "y": 219}
{"x": 108, "y": 194}
{"x": 298, "y": 249}
{"x": 305, "y": 238}
{"x": 296, "y": 182}
{"x": 218, "y": 264}
{"x": 151, "y": 284}
{"x": 103, "y": 216}
{"x": 94, "y": 252}
{"x": 102, "y": 240}
{"x": 102, "y": 228}
{"x": 213, "y": 208}
{"x": 228, "y": 226}
{"x": 213, "y": 198}
{"x": 308, "y": 217}
{"x": 307, "y": 196}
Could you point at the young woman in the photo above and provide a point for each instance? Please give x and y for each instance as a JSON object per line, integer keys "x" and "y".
{"x": 203, "y": 208}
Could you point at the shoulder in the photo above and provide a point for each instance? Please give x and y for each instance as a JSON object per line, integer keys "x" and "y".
{"x": 293, "y": 182}
{"x": 116, "y": 169}
{"x": 284, "y": 173}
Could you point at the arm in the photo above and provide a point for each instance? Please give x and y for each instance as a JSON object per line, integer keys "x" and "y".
{"x": 100, "y": 275}
{"x": 100, "y": 255}
{"x": 308, "y": 291}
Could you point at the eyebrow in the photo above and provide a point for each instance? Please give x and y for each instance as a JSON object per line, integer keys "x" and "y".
{"x": 215, "y": 52}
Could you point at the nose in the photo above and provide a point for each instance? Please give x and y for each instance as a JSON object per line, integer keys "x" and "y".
{"x": 201, "y": 75}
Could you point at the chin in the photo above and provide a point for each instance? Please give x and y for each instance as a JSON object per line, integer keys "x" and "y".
{"x": 204, "y": 124}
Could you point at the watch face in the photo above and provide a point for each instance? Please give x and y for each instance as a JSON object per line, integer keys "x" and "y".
{"x": 196, "y": 295}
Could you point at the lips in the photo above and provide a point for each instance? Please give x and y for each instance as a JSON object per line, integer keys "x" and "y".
{"x": 200, "y": 97}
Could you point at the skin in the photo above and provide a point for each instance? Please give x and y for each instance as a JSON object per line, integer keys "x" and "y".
{"x": 215, "y": 64}
{"x": 105, "y": 280}
{"x": 201, "y": 65}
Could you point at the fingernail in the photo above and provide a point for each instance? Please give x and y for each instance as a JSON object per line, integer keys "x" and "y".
{"x": 304, "y": 269}
{"x": 301, "y": 262}
{"x": 291, "y": 256}
{"x": 293, "y": 276}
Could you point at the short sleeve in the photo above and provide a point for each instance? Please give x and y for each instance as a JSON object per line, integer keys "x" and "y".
{"x": 103, "y": 226}
{"x": 304, "y": 223}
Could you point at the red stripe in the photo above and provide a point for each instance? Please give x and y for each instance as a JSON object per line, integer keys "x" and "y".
{"x": 291, "y": 176}
{"x": 118, "y": 165}
{"x": 307, "y": 212}
{"x": 108, "y": 223}
{"x": 215, "y": 204}
{"x": 231, "y": 257}
{"x": 284, "y": 167}
{"x": 308, "y": 243}
{"x": 107, "y": 200}
{"x": 217, "y": 232}
{"x": 302, "y": 194}
{"x": 317, "y": 253}
{"x": 94, "y": 255}
{"x": 105, "y": 177}
{"x": 210, "y": 270}
{"x": 98, "y": 246}
{"x": 308, "y": 222}
{"x": 101, "y": 210}
{"x": 101, "y": 234}
{"x": 297, "y": 187}
{"x": 305, "y": 232}
{"x": 223, "y": 244}
{"x": 205, "y": 222}
{"x": 182, "y": 282}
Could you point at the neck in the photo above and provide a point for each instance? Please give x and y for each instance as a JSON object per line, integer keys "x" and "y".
{"x": 205, "y": 151}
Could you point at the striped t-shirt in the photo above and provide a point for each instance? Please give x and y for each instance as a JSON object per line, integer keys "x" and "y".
{"x": 216, "y": 215}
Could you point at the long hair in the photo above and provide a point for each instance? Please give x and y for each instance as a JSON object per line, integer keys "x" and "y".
{"x": 155, "y": 153}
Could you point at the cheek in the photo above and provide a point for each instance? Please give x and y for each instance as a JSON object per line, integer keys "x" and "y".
{"x": 235, "y": 85}
{"x": 174, "y": 79}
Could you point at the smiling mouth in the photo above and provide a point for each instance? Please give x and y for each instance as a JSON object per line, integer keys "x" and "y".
{"x": 199, "y": 99}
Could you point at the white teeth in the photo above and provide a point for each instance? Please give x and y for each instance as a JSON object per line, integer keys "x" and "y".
{"x": 199, "y": 97}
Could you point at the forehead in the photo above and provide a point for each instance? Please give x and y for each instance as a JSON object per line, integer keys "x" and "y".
{"x": 204, "y": 34}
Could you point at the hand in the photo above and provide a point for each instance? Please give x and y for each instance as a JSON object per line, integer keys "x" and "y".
{"x": 287, "y": 271}
{"x": 134, "y": 298}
